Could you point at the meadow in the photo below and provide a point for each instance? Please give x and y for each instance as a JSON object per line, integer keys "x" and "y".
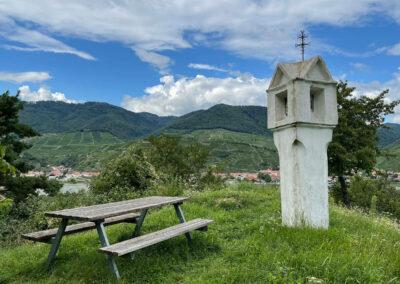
{"x": 246, "y": 244}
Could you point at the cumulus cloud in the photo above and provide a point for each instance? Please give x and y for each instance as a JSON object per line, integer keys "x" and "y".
{"x": 24, "y": 77}
{"x": 256, "y": 29}
{"x": 42, "y": 94}
{"x": 177, "y": 97}
{"x": 374, "y": 88}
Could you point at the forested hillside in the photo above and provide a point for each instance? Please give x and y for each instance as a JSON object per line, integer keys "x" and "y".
{"x": 388, "y": 135}
{"x": 58, "y": 117}
{"x": 246, "y": 119}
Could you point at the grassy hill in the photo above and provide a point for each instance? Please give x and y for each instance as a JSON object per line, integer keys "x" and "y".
{"x": 90, "y": 150}
{"x": 60, "y": 117}
{"x": 81, "y": 150}
{"x": 388, "y": 136}
{"x": 246, "y": 244}
{"x": 393, "y": 163}
{"x": 241, "y": 151}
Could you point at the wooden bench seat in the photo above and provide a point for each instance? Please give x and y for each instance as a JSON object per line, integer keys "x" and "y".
{"x": 46, "y": 235}
{"x": 131, "y": 245}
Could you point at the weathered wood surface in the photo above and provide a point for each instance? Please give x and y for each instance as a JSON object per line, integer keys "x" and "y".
{"x": 102, "y": 211}
{"x": 134, "y": 244}
{"x": 72, "y": 229}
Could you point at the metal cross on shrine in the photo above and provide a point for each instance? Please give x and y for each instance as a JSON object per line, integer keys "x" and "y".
{"x": 302, "y": 43}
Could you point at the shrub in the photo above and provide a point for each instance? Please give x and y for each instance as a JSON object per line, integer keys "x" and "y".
{"x": 362, "y": 191}
{"x": 129, "y": 173}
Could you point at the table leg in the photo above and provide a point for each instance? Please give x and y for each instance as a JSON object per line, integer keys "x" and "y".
{"x": 179, "y": 212}
{"x": 56, "y": 242}
{"x": 104, "y": 242}
{"x": 139, "y": 224}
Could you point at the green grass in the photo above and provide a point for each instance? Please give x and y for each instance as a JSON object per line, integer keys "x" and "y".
{"x": 246, "y": 244}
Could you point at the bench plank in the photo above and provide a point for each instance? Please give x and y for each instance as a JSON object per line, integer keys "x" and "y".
{"x": 134, "y": 244}
{"x": 72, "y": 229}
{"x": 101, "y": 211}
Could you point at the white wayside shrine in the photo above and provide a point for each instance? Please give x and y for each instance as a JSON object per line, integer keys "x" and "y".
{"x": 302, "y": 112}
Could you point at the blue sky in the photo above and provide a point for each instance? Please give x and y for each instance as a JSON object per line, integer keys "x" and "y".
{"x": 173, "y": 57}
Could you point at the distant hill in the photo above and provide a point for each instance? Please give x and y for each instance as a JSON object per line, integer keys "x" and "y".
{"x": 86, "y": 135}
{"x": 245, "y": 119}
{"x": 60, "y": 117}
{"x": 388, "y": 136}
{"x": 85, "y": 150}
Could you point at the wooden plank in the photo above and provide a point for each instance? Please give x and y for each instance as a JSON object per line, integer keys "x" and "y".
{"x": 72, "y": 229}
{"x": 134, "y": 244}
{"x": 102, "y": 211}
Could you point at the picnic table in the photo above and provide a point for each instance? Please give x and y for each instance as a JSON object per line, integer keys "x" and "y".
{"x": 99, "y": 216}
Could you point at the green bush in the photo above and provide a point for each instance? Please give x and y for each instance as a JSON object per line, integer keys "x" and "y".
{"x": 362, "y": 191}
{"x": 131, "y": 173}
{"x": 28, "y": 215}
{"x": 18, "y": 188}
{"x": 6, "y": 205}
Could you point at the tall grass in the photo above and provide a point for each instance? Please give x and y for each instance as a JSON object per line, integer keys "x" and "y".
{"x": 246, "y": 244}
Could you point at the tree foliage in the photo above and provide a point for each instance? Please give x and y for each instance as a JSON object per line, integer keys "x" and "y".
{"x": 264, "y": 177}
{"x": 165, "y": 163}
{"x": 12, "y": 133}
{"x": 354, "y": 141}
{"x": 132, "y": 172}
{"x": 168, "y": 155}
{"x": 372, "y": 195}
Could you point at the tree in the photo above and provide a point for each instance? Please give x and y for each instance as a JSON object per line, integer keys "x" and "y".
{"x": 165, "y": 162}
{"x": 170, "y": 156}
{"x": 12, "y": 134}
{"x": 129, "y": 173}
{"x": 354, "y": 142}
{"x": 264, "y": 177}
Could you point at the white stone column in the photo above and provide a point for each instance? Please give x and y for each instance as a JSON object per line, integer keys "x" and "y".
{"x": 304, "y": 174}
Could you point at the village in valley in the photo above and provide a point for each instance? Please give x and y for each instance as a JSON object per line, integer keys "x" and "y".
{"x": 262, "y": 176}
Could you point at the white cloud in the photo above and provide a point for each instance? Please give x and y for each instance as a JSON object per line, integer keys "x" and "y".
{"x": 186, "y": 95}
{"x": 256, "y": 29}
{"x": 33, "y": 40}
{"x": 206, "y": 67}
{"x": 42, "y": 94}
{"x": 394, "y": 50}
{"x": 24, "y": 77}
{"x": 160, "y": 61}
{"x": 360, "y": 66}
{"x": 372, "y": 89}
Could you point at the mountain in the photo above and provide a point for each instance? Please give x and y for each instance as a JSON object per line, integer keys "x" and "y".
{"x": 60, "y": 117}
{"x": 245, "y": 119}
{"x": 84, "y": 136}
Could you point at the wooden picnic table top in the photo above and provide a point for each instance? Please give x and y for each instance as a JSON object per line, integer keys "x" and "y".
{"x": 101, "y": 211}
